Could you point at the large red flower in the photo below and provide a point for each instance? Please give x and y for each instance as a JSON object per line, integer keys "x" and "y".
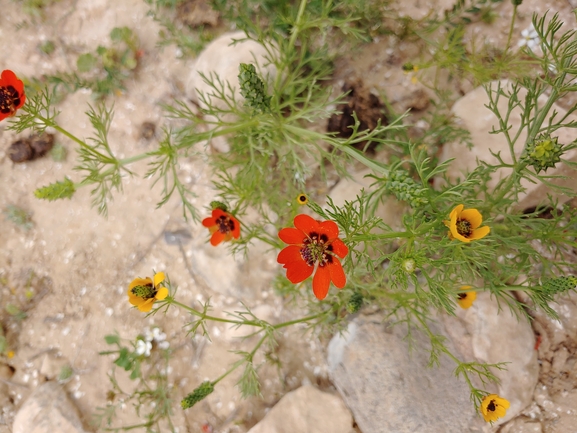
{"x": 313, "y": 244}
{"x": 11, "y": 94}
{"x": 222, "y": 225}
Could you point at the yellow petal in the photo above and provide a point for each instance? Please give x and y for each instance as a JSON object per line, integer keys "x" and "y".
{"x": 480, "y": 233}
{"x": 468, "y": 300}
{"x": 456, "y": 212}
{"x": 456, "y": 234}
{"x": 503, "y": 402}
{"x": 139, "y": 282}
{"x": 135, "y": 300}
{"x": 146, "y": 306}
{"x": 161, "y": 294}
{"x": 473, "y": 216}
{"x": 158, "y": 278}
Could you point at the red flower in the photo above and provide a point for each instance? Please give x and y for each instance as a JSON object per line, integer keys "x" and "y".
{"x": 313, "y": 243}
{"x": 222, "y": 225}
{"x": 11, "y": 94}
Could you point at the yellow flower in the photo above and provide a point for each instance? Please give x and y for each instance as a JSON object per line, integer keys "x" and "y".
{"x": 10, "y": 354}
{"x": 302, "y": 199}
{"x": 466, "y": 299}
{"x": 464, "y": 224}
{"x": 494, "y": 407}
{"x": 143, "y": 292}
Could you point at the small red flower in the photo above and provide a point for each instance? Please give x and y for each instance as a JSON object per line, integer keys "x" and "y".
{"x": 11, "y": 94}
{"x": 222, "y": 225}
{"x": 313, "y": 243}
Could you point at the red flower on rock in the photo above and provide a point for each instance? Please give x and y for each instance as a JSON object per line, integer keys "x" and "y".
{"x": 222, "y": 225}
{"x": 313, "y": 244}
{"x": 11, "y": 94}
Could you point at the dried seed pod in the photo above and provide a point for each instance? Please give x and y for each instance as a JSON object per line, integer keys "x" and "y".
{"x": 21, "y": 151}
{"x": 147, "y": 130}
{"x": 41, "y": 144}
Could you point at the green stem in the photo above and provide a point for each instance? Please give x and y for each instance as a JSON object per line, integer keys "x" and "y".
{"x": 511, "y": 27}
{"x": 295, "y": 29}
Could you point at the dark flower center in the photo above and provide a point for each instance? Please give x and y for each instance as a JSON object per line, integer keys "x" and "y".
{"x": 146, "y": 291}
{"x": 316, "y": 249}
{"x": 464, "y": 228}
{"x": 492, "y": 406}
{"x": 462, "y": 295}
{"x": 9, "y": 99}
{"x": 225, "y": 224}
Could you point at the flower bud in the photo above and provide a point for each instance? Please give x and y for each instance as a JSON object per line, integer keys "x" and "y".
{"x": 252, "y": 88}
{"x": 199, "y": 394}
{"x": 543, "y": 153}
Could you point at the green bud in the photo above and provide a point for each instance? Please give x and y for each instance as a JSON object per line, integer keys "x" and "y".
{"x": 543, "y": 153}
{"x": 560, "y": 285}
{"x": 355, "y": 303}
{"x": 199, "y": 394}
{"x": 215, "y": 204}
{"x": 406, "y": 188}
{"x": 56, "y": 191}
{"x": 252, "y": 88}
{"x": 517, "y": 2}
{"x": 409, "y": 265}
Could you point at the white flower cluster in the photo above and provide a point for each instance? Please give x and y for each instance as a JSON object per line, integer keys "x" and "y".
{"x": 154, "y": 335}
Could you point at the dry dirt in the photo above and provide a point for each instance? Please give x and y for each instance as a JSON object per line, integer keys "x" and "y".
{"x": 68, "y": 274}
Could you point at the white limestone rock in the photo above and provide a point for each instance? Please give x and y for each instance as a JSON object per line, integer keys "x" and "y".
{"x": 307, "y": 410}
{"x": 47, "y": 410}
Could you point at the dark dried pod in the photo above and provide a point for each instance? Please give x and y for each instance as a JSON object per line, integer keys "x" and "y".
{"x": 41, "y": 144}
{"x": 21, "y": 151}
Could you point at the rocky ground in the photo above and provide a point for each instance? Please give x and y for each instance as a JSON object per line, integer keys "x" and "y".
{"x": 65, "y": 277}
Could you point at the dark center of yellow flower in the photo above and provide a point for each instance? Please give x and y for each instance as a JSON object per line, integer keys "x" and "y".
{"x": 462, "y": 295}
{"x": 316, "y": 250}
{"x": 492, "y": 406}
{"x": 9, "y": 99}
{"x": 145, "y": 292}
{"x": 225, "y": 224}
{"x": 302, "y": 199}
{"x": 464, "y": 228}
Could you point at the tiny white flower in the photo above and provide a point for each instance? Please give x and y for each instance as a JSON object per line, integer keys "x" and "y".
{"x": 163, "y": 345}
{"x": 143, "y": 347}
{"x": 158, "y": 335}
{"x": 529, "y": 38}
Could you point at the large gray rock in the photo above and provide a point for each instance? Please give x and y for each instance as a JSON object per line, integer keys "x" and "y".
{"x": 307, "y": 410}
{"x": 480, "y": 121}
{"x": 491, "y": 334}
{"x": 390, "y": 388}
{"x": 47, "y": 410}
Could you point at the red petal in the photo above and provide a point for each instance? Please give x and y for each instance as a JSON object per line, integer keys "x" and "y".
{"x": 292, "y": 236}
{"x": 339, "y": 248}
{"x": 290, "y": 254}
{"x": 10, "y": 79}
{"x": 329, "y": 228}
{"x": 337, "y": 273}
{"x": 217, "y": 238}
{"x": 306, "y": 224}
{"x": 236, "y": 231}
{"x": 298, "y": 271}
{"x": 321, "y": 282}
{"x": 208, "y": 222}
{"x": 216, "y": 213}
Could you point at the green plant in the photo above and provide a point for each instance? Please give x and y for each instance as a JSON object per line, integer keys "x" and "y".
{"x": 453, "y": 236}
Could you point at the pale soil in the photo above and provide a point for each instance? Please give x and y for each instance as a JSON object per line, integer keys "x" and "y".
{"x": 78, "y": 264}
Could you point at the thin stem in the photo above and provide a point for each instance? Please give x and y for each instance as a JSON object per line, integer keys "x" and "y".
{"x": 511, "y": 27}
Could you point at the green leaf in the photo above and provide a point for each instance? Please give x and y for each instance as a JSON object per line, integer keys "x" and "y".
{"x": 86, "y": 62}
{"x": 112, "y": 339}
